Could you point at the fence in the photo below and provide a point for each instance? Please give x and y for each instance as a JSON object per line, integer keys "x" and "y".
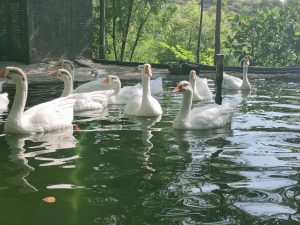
{"x": 33, "y": 30}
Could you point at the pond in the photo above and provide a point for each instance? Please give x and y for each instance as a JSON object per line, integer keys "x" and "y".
{"x": 130, "y": 170}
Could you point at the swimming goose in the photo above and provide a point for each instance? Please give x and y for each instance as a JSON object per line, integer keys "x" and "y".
{"x": 52, "y": 115}
{"x": 94, "y": 85}
{"x": 84, "y": 101}
{"x": 235, "y": 83}
{"x": 143, "y": 104}
{"x": 120, "y": 95}
{"x": 200, "y": 87}
{"x": 3, "y": 99}
{"x": 202, "y": 117}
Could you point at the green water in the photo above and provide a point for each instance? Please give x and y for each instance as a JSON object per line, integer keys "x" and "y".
{"x": 128, "y": 170}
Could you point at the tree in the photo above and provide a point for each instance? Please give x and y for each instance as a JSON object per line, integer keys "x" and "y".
{"x": 126, "y": 30}
{"x": 218, "y": 28}
{"x": 200, "y": 30}
{"x": 269, "y": 38}
{"x": 102, "y": 30}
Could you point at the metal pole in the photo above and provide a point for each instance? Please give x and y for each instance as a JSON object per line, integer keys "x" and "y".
{"x": 219, "y": 77}
{"x": 102, "y": 30}
{"x": 218, "y": 28}
{"x": 200, "y": 31}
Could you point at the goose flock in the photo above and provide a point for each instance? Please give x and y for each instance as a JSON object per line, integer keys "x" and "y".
{"x": 99, "y": 93}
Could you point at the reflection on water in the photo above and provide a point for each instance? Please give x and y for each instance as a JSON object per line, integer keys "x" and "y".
{"x": 145, "y": 124}
{"x": 120, "y": 169}
{"x": 23, "y": 147}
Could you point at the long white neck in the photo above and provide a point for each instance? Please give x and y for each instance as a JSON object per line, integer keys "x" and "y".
{"x": 68, "y": 86}
{"x": 245, "y": 84}
{"x": 185, "y": 108}
{"x": 70, "y": 70}
{"x": 18, "y": 106}
{"x": 196, "y": 95}
{"x": 146, "y": 86}
{"x": 116, "y": 87}
{"x": 72, "y": 74}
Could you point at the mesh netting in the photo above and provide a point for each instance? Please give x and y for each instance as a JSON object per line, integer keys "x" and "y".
{"x": 45, "y": 29}
{"x": 13, "y": 32}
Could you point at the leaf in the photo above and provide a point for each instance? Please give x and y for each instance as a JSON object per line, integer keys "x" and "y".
{"x": 49, "y": 199}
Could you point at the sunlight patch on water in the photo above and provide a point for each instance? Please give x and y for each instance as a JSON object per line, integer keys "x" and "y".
{"x": 264, "y": 209}
{"x": 64, "y": 186}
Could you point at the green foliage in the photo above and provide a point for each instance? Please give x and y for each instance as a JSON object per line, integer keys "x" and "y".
{"x": 207, "y": 56}
{"x": 169, "y": 53}
{"x": 269, "y": 37}
{"x": 161, "y": 30}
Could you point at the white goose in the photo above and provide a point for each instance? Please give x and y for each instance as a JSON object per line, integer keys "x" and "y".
{"x": 53, "y": 115}
{"x": 84, "y": 101}
{"x": 200, "y": 87}
{"x": 156, "y": 85}
{"x": 120, "y": 95}
{"x": 94, "y": 85}
{"x": 3, "y": 99}
{"x": 235, "y": 83}
{"x": 144, "y": 104}
{"x": 96, "y": 73}
{"x": 204, "y": 117}
{"x": 68, "y": 65}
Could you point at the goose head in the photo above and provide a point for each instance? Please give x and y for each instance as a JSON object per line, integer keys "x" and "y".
{"x": 245, "y": 62}
{"x": 183, "y": 87}
{"x": 147, "y": 70}
{"x": 96, "y": 73}
{"x": 61, "y": 74}
{"x": 13, "y": 74}
{"x": 113, "y": 81}
{"x": 65, "y": 64}
{"x": 192, "y": 76}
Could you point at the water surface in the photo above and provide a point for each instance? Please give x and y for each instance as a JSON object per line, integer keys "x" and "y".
{"x": 129, "y": 170}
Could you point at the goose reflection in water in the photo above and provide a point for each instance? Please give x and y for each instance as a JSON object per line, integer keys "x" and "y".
{"x": 22, "y": 148}
{"x": 238, "y": 96}
{"x": 145, "y": 124}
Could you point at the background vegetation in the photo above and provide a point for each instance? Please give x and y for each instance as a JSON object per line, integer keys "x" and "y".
{"x": 159, "y": 31}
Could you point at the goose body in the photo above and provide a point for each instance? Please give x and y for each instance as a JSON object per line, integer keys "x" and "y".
{"x": 53, "y": 115}
{"x": 156, "y": 86}
{"x": 203, "y": 117}
{"x": 200, "y": 87}
{"x": 235, "y": 83}
{"x": 84, "y": 101}
{"x": 94, "y": 85}
{"x": 91, "y": 86}
{"x": 143, "y": 104}
{"x": 3, "y": 99}
{"x": 120, "y": 95}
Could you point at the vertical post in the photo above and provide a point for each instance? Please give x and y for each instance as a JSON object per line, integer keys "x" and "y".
{"x": 219, "y": 77}
{"x": 218, "y": 28}
{"x": 200, "y": 31}
{"x": 102, "y": 30}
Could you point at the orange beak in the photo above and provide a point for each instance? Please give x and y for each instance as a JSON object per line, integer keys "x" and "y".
{"x": 105, "y": 81}
{"x": 2, "y": 73}
{"x": 53, "y": 73}
{"x": 194, "y": 74}
{"x": 148, "y": 71}
{"x": 177, "y": 89}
